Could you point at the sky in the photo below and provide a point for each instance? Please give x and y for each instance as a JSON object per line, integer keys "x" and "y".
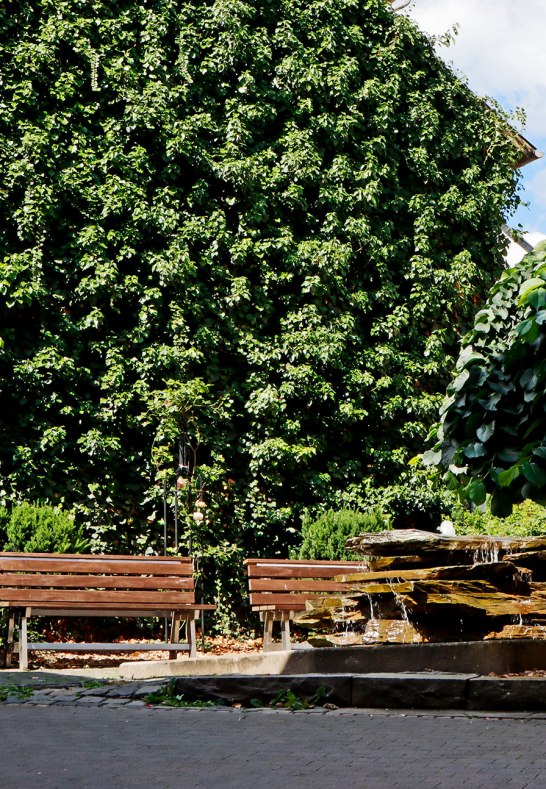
{"x": 500, "y": 48}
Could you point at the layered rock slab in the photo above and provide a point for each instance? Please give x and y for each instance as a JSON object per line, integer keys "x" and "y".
{"x": 428, "y": 587}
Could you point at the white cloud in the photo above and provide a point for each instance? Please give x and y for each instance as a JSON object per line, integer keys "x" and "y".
{"x": 500, "y": 48}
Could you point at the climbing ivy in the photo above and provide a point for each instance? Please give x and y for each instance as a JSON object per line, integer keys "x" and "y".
{"x": 263, "y": 224}
{"x": 492, "y": 435}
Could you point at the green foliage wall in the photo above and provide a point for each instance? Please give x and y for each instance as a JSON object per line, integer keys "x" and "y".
{"x": 492, "y": 434}
{"x": 264, "y": 222}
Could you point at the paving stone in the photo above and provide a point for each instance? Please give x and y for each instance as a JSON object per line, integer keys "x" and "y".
{"x": 103, "y": 690}
{"x": 14, "y": 700}
{"x": 61, "y": 694}
{"x": 39, "y": 698}
{"x": 89, "y": 701}
{"x": 120, "y": 691}
{"x": 141, "y": 691}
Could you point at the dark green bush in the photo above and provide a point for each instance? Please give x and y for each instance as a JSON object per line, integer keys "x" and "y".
{"x": 42, "y": 528}
{"x": 420, "y": 501}
{"x": 325, "y": 537}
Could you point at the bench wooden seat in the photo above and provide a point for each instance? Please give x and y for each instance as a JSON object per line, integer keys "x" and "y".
{"x": 81, "y": 585}
{"x": 280, "y": 587}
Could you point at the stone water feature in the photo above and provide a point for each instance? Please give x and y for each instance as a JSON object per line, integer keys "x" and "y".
{"x": 421, "y": 587}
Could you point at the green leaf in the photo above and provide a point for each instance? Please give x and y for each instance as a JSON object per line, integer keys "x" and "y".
{"x": 485, "y": 432}
{"x": 501, "y": 504}
{"x": 537, "y": 298}
{"x": 505, "y": 478}
{"x": 509, "y": 455}
{"x": 491, "y": 403}
{"x": 476, "y": 492}
{"x": 460, "y": 381}
{"x": 535, "y": 474}
{"x": 527, "y": 287}
{"x": 528, "y": 330}
{"x": 529, "y": 379}
{"x": 432, "y": 457}
{"x": 475, "y": 450}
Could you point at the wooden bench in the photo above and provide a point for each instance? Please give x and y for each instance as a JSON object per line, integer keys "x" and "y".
{"x": 81, "y": 585}
{"x": 280, "y": 587}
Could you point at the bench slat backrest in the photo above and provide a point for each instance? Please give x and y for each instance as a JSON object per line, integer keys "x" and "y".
{"x": 89, "y": 579}
{"x": 95, "y": 563}
{"x": 287, "y": 584}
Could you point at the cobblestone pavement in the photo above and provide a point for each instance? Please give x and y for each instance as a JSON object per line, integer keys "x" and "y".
{"x": 95, "y": 737}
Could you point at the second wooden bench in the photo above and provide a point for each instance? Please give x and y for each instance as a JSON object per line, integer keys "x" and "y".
{"x": 279, "y": 589}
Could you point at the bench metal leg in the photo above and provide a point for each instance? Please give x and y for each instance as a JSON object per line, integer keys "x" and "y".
{"x": 191, "y": 636}
{"x": 23, "y": 643}
{"x": 268, "y": 617}
{"x": 175, "y": 634}
{"x": 10, "y": 637}
{"x": 285, "y": 630}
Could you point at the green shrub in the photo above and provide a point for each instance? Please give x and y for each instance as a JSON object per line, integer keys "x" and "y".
{"x": 42, "y": 528}
{"x": 528, "y": 519}
{"x": 325, "y": 536}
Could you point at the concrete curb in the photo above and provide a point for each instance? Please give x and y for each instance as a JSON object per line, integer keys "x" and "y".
{"x": 427, "y": 691}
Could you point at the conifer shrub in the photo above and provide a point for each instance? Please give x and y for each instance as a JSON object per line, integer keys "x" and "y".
{"x": 43, "y": 529}
{"x": 325, "y": 537}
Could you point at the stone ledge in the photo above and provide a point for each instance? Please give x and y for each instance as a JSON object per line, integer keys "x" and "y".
{"x": 507, "y": 693}
{"x": 411, "y": 691}
{"x": 241, "y": 689}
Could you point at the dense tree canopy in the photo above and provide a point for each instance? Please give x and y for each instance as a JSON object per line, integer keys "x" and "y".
{"x": 264, "y": 223}
{"x": 492, "y": 434}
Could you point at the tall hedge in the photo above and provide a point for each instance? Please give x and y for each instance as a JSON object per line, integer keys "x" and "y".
{"x": 264, "y": 223}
